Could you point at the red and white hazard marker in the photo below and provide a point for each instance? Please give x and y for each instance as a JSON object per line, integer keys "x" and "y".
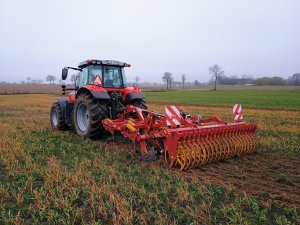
{"x": 97, "y": 80}
{"x": 237, "y": 112}
{"x": 172, "y": 115}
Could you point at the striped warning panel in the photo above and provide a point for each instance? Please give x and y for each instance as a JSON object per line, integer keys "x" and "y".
{"x": 237, "y": 112}
{"x": 172, "y": 115}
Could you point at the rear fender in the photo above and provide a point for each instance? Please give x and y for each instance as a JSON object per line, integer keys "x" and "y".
{"x": 134, "y": 96}
{"x": 97, "y": 92}
{"x": 131, "y": 94}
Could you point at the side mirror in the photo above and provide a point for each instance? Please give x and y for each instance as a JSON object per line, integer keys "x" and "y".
{"x": 64, "y": 74}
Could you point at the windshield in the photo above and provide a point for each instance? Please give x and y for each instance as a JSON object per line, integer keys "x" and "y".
{"x": 93, "y": 71}
{"x": 112, "y": 76}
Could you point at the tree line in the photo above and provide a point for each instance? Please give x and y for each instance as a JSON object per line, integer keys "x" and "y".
{"x": 217, "y": 76}
{"x": 293, "y": 80}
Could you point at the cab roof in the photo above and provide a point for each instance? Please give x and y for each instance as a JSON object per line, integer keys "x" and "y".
{"x": 102, "y": 62}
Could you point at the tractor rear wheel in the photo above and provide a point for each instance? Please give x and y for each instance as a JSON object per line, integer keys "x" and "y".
{"x": 87, "y": 116}
{"x": 56, "y": 117}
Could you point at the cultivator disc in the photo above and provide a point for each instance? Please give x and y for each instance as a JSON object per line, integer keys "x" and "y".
{"x": 209, "y": 144}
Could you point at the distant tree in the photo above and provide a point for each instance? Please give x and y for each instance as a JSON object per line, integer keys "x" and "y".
{"x": 246, "y": 79}
{"x": 50, "y": 78}
{"x": 196, "y": 83}
{"x": 54, "y": 79}
{"x": 137, "y": 79}
{"x": 28, "y": 79}
{"x": 290, "y": 81}
{"x": 294, "y": 79}
{"x": 183, "y": 78}
{"x": 216, "y": 73}
{"x": 234, "y": 80}
{"x": 167, "y": 77}
{"x": 270, "y": 81}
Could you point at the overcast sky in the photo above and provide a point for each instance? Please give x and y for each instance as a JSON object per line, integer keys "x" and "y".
{"x": 254, "y": 37}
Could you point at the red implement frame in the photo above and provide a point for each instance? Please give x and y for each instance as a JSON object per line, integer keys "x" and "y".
{"x": 141, "y": 126}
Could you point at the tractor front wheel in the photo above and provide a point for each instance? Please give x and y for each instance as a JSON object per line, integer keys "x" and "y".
{"x": 88, "y": 115}
{"x": 56, "y": 117}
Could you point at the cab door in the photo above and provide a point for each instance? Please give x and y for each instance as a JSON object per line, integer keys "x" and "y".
{"x": 83, "y": 76}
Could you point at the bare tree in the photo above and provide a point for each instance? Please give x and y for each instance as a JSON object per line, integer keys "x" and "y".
{"x": 295, "y": 79}
{"x": 137, "y": 79}
{"x": 183, "y": 78}
{"x": 51, "y": 78}
{"x": 167, "y": 77}
{"x": 216, "y": 73}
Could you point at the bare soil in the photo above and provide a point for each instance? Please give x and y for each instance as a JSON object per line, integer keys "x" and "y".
{"x": 264, "y": 175}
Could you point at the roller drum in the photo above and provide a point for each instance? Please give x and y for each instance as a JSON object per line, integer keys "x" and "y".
{"x": 204, "y": 150}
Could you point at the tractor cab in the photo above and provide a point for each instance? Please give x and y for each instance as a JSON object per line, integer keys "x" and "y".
{"x": 111, "y": 73}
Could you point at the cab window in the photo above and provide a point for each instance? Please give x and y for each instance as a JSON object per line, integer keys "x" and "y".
{"x": 112, "y": 76}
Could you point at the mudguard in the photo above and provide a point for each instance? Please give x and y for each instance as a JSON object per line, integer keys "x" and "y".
{"x": 100, "y": 95}
{"x": 63, "y": 105}
{"x": 134, "y": 96}
{"x": 66, "y": 109}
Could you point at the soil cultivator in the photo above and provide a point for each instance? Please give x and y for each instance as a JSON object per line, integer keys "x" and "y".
{"x": 100, "y": 101}
{"x": 186, "y": 141}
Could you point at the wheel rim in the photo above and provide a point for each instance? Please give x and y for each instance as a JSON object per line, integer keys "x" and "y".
{"x": 82, "y": 117}
{"x": 54, "y": 117}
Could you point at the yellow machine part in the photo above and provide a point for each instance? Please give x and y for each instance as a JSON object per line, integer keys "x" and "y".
{"x": 193, "y": 153}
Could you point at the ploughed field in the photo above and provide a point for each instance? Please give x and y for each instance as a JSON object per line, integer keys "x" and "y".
{"x": 48, "y": 176}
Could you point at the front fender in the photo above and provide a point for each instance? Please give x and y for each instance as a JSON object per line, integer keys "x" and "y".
{"x": 63, "y": 105}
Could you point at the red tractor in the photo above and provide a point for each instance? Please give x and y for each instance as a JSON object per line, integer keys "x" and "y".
{"x": 100, "y": 92}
